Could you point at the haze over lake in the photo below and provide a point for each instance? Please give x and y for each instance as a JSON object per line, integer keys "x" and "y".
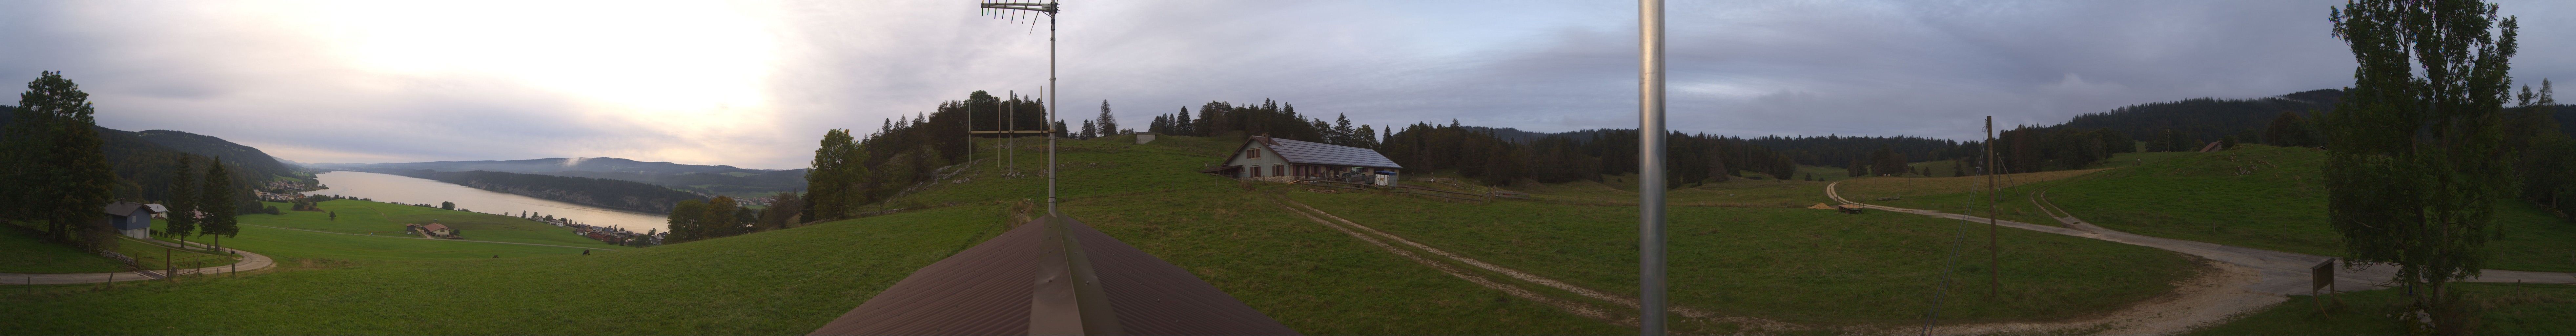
{"x": 410, "y": 190}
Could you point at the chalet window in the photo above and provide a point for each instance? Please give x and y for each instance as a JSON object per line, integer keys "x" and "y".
{"x": 1277, "y": 170}
{"x": 1254, "y": 153}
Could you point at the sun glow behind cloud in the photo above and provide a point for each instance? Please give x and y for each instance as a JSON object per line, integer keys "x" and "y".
{"x": 681, "y": 67}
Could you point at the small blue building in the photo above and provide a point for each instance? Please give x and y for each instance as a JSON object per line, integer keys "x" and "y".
{"x": 130, "y": 219}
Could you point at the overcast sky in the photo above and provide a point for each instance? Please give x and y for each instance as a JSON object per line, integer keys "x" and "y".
{"x": 754, "y": 84}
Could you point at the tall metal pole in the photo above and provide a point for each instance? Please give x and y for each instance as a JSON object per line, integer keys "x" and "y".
{"x": 1994, "y": 254}
{"x": 1650, "y": 167}
{"x": 1051, "y": 128}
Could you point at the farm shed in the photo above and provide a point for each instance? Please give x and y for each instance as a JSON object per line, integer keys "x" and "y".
{"x": 1282, "y": 160}
{"x": 130, "y": 219}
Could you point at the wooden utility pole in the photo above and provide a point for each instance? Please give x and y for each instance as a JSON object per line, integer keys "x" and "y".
{"x": 1994, "y": 253}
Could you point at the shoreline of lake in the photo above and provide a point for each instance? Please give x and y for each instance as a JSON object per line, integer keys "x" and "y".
{"x": 411, "y": 190}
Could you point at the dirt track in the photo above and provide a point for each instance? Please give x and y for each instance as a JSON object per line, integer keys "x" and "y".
{"x": 2276, "y": 274}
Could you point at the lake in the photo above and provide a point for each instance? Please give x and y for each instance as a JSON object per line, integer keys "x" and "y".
{"x": 411, "y": 190}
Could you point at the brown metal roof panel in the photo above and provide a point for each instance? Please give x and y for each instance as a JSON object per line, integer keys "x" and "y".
{"x": 1154, "y": 297}
{"x": 1321, "y": 153}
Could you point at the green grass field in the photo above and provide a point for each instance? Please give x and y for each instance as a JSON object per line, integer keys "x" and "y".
{"x": 1795, "y": 265}
{"x": 1741, "y": 248}
{"x": 1311, "y": 278}
{"x": 781, "y": 282}
{"x": 30, "y": 254}
{"x": 1307, "y": 276}
{"x": 2134, "y": 159}
{"x": 2254, "y": 195}
{"x": 1740, "y": 193}
{"x": 368, "y": 231}
{"x": 791, "y": 281}
{"x": 2272, "y": 198}
{"x": 2501, "y": 309}
{"x": 387, "y": 219}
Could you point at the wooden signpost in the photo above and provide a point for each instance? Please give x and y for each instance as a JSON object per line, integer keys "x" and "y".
{"x": 2321, "y": 276}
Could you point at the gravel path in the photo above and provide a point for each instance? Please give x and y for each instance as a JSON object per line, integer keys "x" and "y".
{"x": 2274, "y": 275}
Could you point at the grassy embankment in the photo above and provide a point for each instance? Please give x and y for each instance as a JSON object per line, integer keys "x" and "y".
{"x": 2500, "y": 309}
{"x": 1813, "y": 267}
{"x": 2254, "y": 196}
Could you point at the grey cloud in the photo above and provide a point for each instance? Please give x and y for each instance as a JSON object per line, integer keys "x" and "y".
{"x": 1738, "y": 68}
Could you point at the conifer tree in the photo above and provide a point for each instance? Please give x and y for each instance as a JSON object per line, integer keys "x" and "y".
{"x": 1341, "y": 134}
{"x": 182, "y": 203}
{"x": 1181, "y": 123}
{"x": 1108, "y": 124}
{"x": 216, "y": 200}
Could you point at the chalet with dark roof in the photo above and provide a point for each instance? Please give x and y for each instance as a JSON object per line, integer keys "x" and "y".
{"x": 1282, "y": 160}
{"x": 130, "y": 219}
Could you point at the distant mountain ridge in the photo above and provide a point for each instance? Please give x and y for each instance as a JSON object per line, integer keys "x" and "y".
{"x": 2208, "y": 119}
{"x": 703, "y": 179}
{"x": 192, "y": 143}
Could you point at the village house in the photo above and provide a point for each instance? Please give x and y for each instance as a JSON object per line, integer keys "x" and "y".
{"x": 158, "y": 210}
{"x": 1282, "y": 160}
{"x": 438, "y": 230}
{"x": 130, "y": 219}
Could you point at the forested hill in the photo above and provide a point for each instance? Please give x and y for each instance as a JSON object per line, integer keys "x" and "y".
{"x": 249, "y": 158}
{"x": 698, "y": 178}
{"x": 243, "y": 159}
{"x": 144, "y": 167}
{"x": 627, "y": 195}
{"x": 2207, "y": 119}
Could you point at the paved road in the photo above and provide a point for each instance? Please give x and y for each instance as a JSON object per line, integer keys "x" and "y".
{"x": 249, "y": 262}
{"x": 2283, "y": 272}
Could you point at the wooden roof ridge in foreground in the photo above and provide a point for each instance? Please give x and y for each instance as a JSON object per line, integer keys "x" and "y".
{"x": 1001, "y": 286}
